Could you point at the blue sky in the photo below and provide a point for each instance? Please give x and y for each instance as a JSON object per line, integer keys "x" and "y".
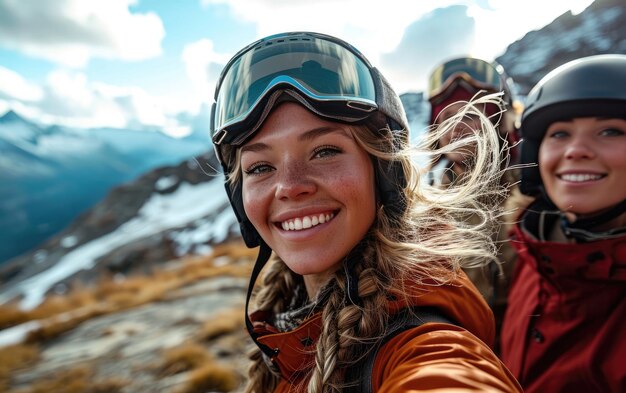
{"x": 152, "y": 64}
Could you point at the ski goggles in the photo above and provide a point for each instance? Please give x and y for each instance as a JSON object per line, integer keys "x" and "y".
{"x": 332, "y": 76}
{"x": 470, "y": 73}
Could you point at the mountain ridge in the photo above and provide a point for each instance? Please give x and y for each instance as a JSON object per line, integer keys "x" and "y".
{"x": 49, "y": 174}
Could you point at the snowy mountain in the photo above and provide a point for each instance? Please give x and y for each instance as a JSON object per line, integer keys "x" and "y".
{"x": 182, "y": 210}
{"x": 599, "y": 29}
{"x": 48, "y": 175}
{"x": 166, "y": 213}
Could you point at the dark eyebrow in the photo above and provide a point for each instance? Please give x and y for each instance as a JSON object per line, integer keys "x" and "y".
{"x": 307, "y": 136}
{"x": 320, "y": 131}
{"x": 254, "y": 147}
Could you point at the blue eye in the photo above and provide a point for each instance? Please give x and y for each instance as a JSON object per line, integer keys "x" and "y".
{"x": 326, "y": 151}
{"x": 611, "y": 132}
{"x": 558, "y": 134}
{"x": 258, "y": 169}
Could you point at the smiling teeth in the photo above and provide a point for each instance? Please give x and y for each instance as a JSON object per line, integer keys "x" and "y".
{"x": 580, "y": 177}
{"x": 306, "y": 222}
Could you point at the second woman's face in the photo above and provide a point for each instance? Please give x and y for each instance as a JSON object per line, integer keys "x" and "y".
{"x": 308, "y": 189}
{"x": 583, "y": 164}
{"x": 462, "y": 129}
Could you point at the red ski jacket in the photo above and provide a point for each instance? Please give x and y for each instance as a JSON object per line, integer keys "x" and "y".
{"x": 565, "y": 325}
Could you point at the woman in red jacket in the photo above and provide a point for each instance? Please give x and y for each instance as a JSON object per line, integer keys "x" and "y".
{"x": 566, "y": 318}
{"x": 314, "y": 145}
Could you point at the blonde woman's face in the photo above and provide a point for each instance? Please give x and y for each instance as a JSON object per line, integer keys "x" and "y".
{"x": 308, "y": 189}
{"x": 582, "y": 163}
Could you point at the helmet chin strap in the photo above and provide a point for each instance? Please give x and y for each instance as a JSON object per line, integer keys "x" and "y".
{"x": 268, "y": 353}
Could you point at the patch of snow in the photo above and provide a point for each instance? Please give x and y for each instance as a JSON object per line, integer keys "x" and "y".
{"x": 192, "y": 240}
{"x": 160, "y": 212}
{"x": 17, "y": 334}
{"x": 166, "y": 182}
{"x": 69, "y": 241}
{"x": 40, "y": 256}
{"x": 203, "y": 249}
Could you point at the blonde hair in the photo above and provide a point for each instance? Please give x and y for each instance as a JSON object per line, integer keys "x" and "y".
{"x": 505, "y": 121}
{"x": 427, "y": 245}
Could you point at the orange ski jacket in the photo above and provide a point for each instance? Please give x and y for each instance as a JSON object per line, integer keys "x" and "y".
{"x": 431, "y": 357}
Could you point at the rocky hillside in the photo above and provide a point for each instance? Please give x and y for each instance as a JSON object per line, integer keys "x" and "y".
{"x": 176, "y": 329}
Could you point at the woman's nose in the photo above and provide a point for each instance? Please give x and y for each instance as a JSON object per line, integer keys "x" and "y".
{"x": 294, "y": 181}
{"x": 578, "y": 148}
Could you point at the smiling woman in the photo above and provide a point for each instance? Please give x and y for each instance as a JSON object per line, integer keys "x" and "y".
{"x": 319, "y": 172}
{"x": 567, "y": 301}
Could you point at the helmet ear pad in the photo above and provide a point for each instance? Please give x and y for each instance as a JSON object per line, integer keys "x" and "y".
{"x": 391, "y": 178}
{"x": 250, "y": 235}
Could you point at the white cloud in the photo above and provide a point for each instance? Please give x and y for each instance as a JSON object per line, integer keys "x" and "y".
{"x": 13, "y": 85}
{"x": 203, "y": 67}
{"x": 399, "y": 30}
{"x": 506, "y": 21}
{"x": 69, "y": 98}
{"x": 437, "y": 36}
{"x": 369, "y": 25}
{"x": 70, "y": 32}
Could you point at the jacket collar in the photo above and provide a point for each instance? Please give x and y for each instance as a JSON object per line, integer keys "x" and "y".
{"x": 603, "y": 260}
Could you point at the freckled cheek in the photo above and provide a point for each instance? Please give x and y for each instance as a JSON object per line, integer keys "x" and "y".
{"x": 353, "y": 187}
{"x": 255, "y": 203}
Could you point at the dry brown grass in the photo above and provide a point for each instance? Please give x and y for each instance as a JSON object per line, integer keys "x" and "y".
{"x": 234, "y": 250}
{"x": 76, "y": 380}
{"x": 211, "y": 377}
{"x": 13, "y": 358}
{"x": 60, "y": 313}
{"x": 225, "y": 322}
{"x": 57, "y": 325}
{"x": 184, "y": 358}
{"x": 54, "y": 305}
{"x": 11, "y": 315}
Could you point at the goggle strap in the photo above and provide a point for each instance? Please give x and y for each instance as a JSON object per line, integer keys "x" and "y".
{"x": 264, "y": 255}
{"x": 388, "y": 102}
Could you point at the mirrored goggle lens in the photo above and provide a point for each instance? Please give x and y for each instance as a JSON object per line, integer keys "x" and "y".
{"x": 324, "y": 71}
{"x": 475, "y": 72}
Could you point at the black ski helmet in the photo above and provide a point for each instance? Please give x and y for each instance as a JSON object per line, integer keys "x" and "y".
{"x": 593, "y": 86}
